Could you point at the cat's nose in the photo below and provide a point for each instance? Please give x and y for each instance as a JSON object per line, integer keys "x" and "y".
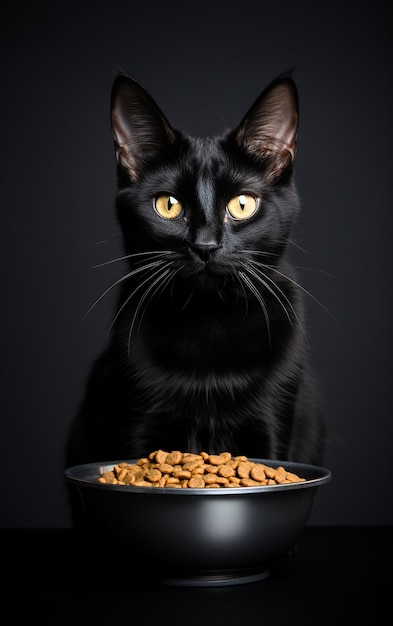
{"x": 205, "y": 250}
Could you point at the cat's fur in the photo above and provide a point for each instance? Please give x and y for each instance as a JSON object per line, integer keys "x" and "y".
{"x": 208, "y": 348}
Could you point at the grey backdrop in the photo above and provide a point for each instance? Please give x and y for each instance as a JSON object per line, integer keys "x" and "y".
{"x": 205, "y": 63}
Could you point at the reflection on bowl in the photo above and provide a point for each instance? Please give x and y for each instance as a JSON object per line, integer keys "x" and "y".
{"x": 197, "y": 536}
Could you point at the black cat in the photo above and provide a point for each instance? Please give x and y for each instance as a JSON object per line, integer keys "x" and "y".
{"x": 208, "y": 348}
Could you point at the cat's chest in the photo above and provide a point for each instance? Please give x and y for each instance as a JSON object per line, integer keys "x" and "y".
{"x": 205, "y": 342}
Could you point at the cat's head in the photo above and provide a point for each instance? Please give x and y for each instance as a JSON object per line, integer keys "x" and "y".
{"x": 212, "y": 203}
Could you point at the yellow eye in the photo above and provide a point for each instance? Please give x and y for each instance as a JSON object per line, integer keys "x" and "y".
{"x": 241, "y": 207}
{"x": 168, "y": 206}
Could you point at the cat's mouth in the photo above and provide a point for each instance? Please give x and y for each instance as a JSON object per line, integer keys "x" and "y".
{"x": 207, "y": 262}
{"x": 210, "y": 273}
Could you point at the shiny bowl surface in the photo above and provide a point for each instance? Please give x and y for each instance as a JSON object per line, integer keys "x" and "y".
{"x": 197, "y": 537}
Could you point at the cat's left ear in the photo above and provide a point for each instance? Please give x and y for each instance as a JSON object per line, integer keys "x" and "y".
{"x": 269, "y": 130}
{"x": 139, "y": 127}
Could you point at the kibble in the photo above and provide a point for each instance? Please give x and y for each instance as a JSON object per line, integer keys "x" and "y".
{"x": 185, "y": 470}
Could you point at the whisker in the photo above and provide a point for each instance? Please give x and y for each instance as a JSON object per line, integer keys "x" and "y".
{"x": 296, "y": 245}
{"x": 261, "y": 301}
{"x": 160, "y": 287}
{"x": 262, "y": 278}
{"x": 187, "y": 302}
{"x": 235, "y": 273}
{"x": 122, "y": 279}
{"x": 278, "y": 289}
{"x": 299, "y": 267}
{"x": 134, "y": 292}
{"x": 167, "y": 275}
{"x": 294, "y": 282}
{"x": 261, "y": 252}
{"x": 130, "y": 256}
{"x": 314, "y": 269}
{"x": 140, "y": 303}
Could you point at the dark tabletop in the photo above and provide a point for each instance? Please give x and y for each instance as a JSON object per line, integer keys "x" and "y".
{"x": 337, "y": 575}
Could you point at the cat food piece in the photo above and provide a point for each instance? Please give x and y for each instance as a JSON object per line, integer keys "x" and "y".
{"x": 269, "y": 471}
{"x": 257, "y": 473}
{"x": 220, "y": 459}
{"x": 196, "y": 482}
{"x": 192, "y": 465}
{"x": 210, "y": 479}
{"x": 160, "y": 456}
{"x": 182, "y": 474}
{"x": 108, "y": 477}
{"x": 153, "y": 475}
{"x": 249, "y": 482}
{"x": 174, "y": 457}
{"x": 226, "y": 470}
{"x": 243, "y": 469}
{"x": 221, "y": 480}
{"x": 191, "y": 458}
{"x": 172, "y": 480}
{"x": 122, "y": 474}
{"x": 279, "y": 476}
{"x": 165, "y": 468}
{"x": 187, "y": 470}
{"x": 130, "y": 479}
{"x": 291, "y": 478}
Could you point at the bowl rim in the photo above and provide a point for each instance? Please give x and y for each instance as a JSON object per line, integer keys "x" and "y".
{"x": 74, "y": 475}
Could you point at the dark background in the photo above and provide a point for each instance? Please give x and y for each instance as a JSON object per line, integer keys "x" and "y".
{"x": 205, "y": 63}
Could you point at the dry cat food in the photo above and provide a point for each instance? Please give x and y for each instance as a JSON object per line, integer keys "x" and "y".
{"x": 196, "y": 471}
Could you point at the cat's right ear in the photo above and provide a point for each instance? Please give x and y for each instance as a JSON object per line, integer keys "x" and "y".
{"x": 269, "y": 130}
{"x": 139, "y": 127}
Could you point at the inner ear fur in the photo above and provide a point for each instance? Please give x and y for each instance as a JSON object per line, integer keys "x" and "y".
{"x": 269, "y": 129}
{"x": 139, "y": 127}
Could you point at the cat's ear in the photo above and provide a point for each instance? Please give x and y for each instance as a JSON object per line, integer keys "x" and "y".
{"x": 139, "y": 127}
{"x": 269, "y": 130}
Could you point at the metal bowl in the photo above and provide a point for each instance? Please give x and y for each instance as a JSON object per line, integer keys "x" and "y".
{"x": 197, "y": 537}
